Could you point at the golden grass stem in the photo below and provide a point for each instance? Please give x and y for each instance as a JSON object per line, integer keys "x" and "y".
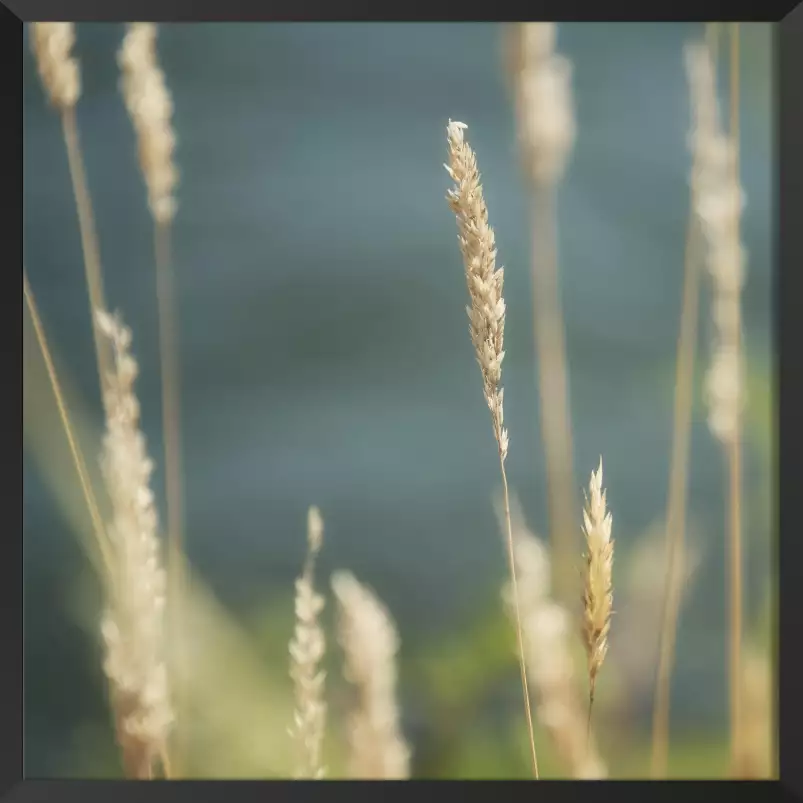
{"x": 519, "y": 630}
{"x": 735, "y": 628}
{"x": 553, "y": 386}
{"x": 734, "y": 457}
{"x": 168, "y": 352}
{"x": 80, "y": 466}
{"x": 676, "y": 497}
{"x": 678, "y": 479}
{"x": 89, "y": 238}
{"x": 168, "y": 355}
{"x": 547, "y": 129}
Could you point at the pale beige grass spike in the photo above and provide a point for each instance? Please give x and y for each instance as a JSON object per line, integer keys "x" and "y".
{"x": 370, "y": 642}
{"x": 486, "y": 315}
{"x": 133, "y": 623}
{"x": 150, "y": 108}
{"x": 52, "y": 44}
{"x": 718, "y": 203}
{"x": 598, "y": 579}
{"x": 307, "y": 649}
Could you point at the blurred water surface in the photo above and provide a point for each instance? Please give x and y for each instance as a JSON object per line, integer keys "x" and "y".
{"x": 324, "y": 351}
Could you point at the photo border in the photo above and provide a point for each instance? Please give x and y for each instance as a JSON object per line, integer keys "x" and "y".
{"x": 789, "y": 242}
{"x": 363, "y": 10}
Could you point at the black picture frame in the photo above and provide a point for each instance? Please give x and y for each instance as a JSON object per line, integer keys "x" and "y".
{"x": 788, "y": 21}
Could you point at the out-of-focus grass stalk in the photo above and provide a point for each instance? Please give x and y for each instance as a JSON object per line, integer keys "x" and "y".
{"x": 52, "y": 44}
{"x": 99, "y": 530}
{"x": 678, "y": 478}
{"x": 171, "y": 429}
{"x": 677, "y": 495}
{"x": 89, "y": 237}
{"x": 150, "y": 108}
{"x": 542, "y": 87}
{"x": 734, "y": 455}
{"x": 718, "y": 201}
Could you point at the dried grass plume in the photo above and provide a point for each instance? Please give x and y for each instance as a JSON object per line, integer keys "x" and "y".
{"x": 487, "y": 329}
{"x": 478, "y": 247}
{"x": 52, "y": 44}
{"x": 543, "y": 88}
{"x": 151, "y": 108}
{"x": 718, "y": 202}
{"x": 133, "y": 623}
{"x": 598, "y": 578}
{"x": 307, "y": 649}
{"x": 377, "y": 749}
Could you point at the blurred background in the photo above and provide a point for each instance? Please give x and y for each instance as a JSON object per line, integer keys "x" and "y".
{"x": 325, "y": 360}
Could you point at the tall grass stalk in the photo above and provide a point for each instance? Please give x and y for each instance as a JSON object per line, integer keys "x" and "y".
{"x": 735, "y": 452}
{"x": 542, "y": 82}
{"x": 718, "y": 203}
{"x": 757, "y": 758}
{"x": 679, "y": 468}
{"x": 370, "y": 641}
{"x": 677, "y": 496}
{"x": 150, "y": 108}
{"x": 52, "y": 44}
{"x": 133, "y": 622}
{"x": 487, "y": 328}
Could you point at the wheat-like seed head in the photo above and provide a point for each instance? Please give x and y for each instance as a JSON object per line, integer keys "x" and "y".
{"x": 598, "y": 580}
{"x": 150, "y": 108}
{"x": 718, "y": 203}
{"x": 370, "y": 642}
{"x": 478, "y": 247}
{"x": 307, "y": 649}
{"x": 133, "y": 624}
{"x": 52, "y": 43}
{"x": 550, "y": 667}
{"x": 544, "y": 106}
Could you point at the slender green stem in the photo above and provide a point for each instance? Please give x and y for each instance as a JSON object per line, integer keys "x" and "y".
{"x": 734, "y": 458}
